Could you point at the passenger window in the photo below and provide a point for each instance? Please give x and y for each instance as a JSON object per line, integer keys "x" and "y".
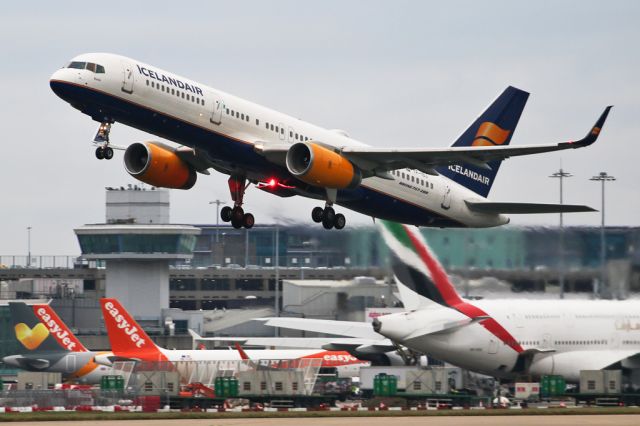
{"x": 296, "y": 136}
{"x": 91, "y": 66}
{"x": 77, "y": 65}
{"x": 277, "y": 131}
{"x": 290, "y": 134}
{"x": 162, "y": 87}
{"x": 202, "y": 102}
{"x": 257, "y": 122}
{"x": 227, "y": 111}
{"x": 242, "y": 116}
{"x": 271, "y": 126}
{"x": 99, "y": 69}
{"x": 266, "y": 125}
{"x": 182, "y": 93}
{"x": 173, "y": 91}
{"x": 247, "y": 118}
{"x": 147, "y": 82}
{"x": 282, "y": 131}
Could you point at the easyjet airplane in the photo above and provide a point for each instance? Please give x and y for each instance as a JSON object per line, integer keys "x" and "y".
{"x": 130, "y": 342}
{"x": 280, "y": 154}
{"x": 48, "y": 345}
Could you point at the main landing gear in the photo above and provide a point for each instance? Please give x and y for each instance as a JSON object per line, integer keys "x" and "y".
{"x": 327, "y": 216}
{"x": 103, "y": 151}
{"x": 236, "y": 215}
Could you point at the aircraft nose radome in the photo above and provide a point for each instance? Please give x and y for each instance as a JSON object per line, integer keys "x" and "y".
{"x": 11, "y": 360}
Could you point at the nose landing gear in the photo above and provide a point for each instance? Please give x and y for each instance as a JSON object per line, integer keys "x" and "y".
{"x": 236, "y": 215}
{"x": 103, "y": 151}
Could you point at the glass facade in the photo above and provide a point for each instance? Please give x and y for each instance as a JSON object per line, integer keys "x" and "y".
{"x": 137, "y": 243}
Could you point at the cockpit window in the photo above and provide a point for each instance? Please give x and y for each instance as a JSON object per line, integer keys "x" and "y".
{"x": 89, "y": 66}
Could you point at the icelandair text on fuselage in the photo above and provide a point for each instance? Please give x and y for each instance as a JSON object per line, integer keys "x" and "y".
{"x": 123, "y": 324}
{"x": 169, "y": 80}
{"x": 60, "y": 334}
{"x": 469, "y": 173}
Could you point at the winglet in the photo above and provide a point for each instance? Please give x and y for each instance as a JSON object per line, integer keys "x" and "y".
{"x": 592, "y": 136}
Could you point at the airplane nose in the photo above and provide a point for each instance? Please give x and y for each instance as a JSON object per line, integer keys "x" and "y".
{"x": 11, "y": 361}
{"x": 377, "y": 325}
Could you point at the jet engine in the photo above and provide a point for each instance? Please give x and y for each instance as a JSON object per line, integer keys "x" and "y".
{"x": 319, "y": 166}
{"x": 158, "y": 165}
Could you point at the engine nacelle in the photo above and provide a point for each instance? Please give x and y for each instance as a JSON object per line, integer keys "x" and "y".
{"x": 158, "y": 166}
{"x": 319, "y": 166}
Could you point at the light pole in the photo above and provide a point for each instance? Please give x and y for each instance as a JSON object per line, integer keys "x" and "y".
{"x": 218, "y": 203}
{"x": 561, "y": 174}
{"x": 602, "y": 177}
{"x": 28, "y": 246}
{"x": 277, "y": 274}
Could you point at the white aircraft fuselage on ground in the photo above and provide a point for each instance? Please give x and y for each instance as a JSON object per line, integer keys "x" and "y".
{"x": 503, "y": 338}
{"x": 441, "y": 187}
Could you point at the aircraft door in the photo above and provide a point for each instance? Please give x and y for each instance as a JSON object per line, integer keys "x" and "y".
{"x": 290, "y": 134}
{"x": 547, "y": 343}
{"x": 71, "y": 363}
{"x": 493, "y": 346}
{"x": 216, "y": 112}
{"x": 127, "y": 78}
{"x": 282, "y": 132}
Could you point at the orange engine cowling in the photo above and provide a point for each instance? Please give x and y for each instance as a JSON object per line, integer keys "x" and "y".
{"x": 158, "y": 165}
{"x": 319, "y": 166}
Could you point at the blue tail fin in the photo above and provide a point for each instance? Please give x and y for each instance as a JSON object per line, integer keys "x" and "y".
{"x": 494, "y": 127}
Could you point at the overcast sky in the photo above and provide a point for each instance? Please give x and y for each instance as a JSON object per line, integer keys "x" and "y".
{"x": 403, "y": 74}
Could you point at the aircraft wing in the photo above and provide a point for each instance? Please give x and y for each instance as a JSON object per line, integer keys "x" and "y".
{"x": 382, "y": 160}
{"x": 340, "y": 328}
{"x": 327, "y": 343}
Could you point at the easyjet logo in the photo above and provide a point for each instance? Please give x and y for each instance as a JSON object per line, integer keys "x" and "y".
{"x": 339, "y": 358}
{"x": 122, "y": 323}
{"x": 62, "y": 335}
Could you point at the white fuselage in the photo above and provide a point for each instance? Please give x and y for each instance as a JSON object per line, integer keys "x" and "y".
{"x": 562, "y": 337}
{"x": 229, "y": 129}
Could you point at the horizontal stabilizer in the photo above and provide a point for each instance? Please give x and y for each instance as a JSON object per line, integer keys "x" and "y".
{"x": 525, "y": 208}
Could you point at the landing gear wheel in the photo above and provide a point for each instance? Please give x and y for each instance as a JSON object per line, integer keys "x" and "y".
{"x": 248, "y": 221}
{"x": 326, "y": 223}
{"x": 225, "y": 214}
{"x": 237, "y": 217}
{"x": 339, "y": 221}
{"x": 316, "y": 214}
{"x": 328, "y": 214}
{"x": 100, "y": 153}
{"x": 108, "y": 153}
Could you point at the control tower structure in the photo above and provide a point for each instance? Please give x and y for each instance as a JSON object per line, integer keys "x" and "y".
{"x": 136, "y": 249}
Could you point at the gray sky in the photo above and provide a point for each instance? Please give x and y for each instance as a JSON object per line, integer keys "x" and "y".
{"x": 396, "y": 73}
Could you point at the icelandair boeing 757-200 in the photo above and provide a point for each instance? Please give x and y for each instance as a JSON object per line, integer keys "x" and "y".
{"x": 439, "y": 187}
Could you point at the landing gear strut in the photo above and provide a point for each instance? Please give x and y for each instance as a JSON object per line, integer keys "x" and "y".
{"x": 103, "y": 151}
{"x": 327, "y": 216}
{"x": 236, "y": 215}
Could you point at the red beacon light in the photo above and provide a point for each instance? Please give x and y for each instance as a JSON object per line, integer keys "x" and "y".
{"x": 272, "y": 183}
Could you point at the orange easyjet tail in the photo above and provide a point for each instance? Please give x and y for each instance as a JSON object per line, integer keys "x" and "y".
{"x": 126, "y": 336}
